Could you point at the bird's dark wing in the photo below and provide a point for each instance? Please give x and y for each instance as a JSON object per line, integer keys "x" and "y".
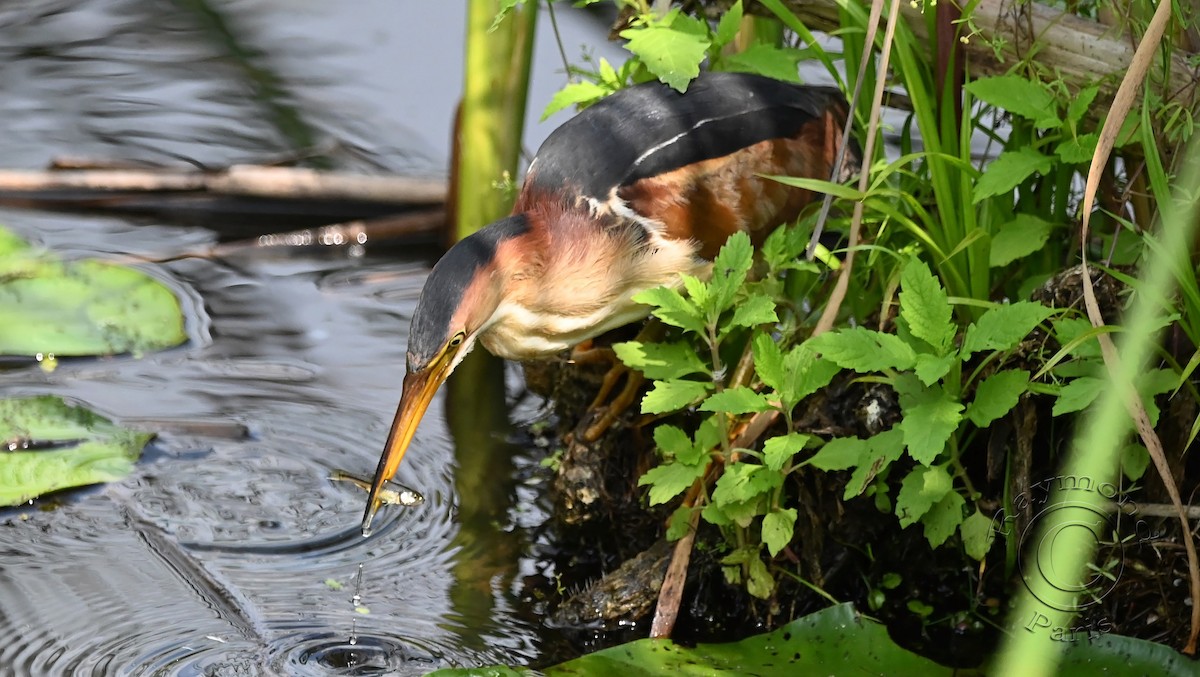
{"x": 650, "y": 129}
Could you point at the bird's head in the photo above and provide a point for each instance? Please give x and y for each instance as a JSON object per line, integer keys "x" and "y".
{"x": 459, "y": 298}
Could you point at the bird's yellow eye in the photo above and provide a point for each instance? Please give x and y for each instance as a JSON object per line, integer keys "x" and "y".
{"x": 457, "y": 340}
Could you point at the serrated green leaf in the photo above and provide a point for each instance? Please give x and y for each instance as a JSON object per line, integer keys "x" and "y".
{"x": 977, "y": 535}
{"x": 755, "y": 310}
{"x": 672, "y": 441}
{"x": 997, "y": 395}
{"x": 729, "y": 272}
{"x": 1151, "y": 383}
{"x": 760, "y": 584}
{"x": 777, "y": 451}
{"x": 1018, "y": 238}
{"x": 1003, "y": 327}
{"x": 864, "y": 350}
{"x": 730, "y": 24}
{"x": 669, "y": 480}
{"x": 744, "y": 482}
{"x": 680, "y": 523}
{"x": 943, "y": 519}
{"x": 670, "y": 307}
{"x": 1067, "y": 329}
{"x": 925, "y": 306}
{"x": 1081, "y": 103}
{"x": 931, "y": 368}
{"x": 1078, "y": 394}
{"x": 1009, "y": 169}
{"x": 919, "y": 491}
{"x": 841, "y": 453}
{"x": 804, "y": 374}
{"x": 575, "y": 94}
{"x": 740, "y": 513}
{"x": 1015, "y": 94}
{"x": 671, "y": 54}
{"x": 660, "y": 361}
{"x": 699, "y": 292}
{"x": 1078, "y": 150}
{"x": 768, "y": 361}
{"x": 780, "y": 63}
{"x": 738, "y": 400}
{"x": 885, "y": 448}
{"x": 667, "y": 396}
{"x": 931, "y": 415}
{"x": 778, "y": 527}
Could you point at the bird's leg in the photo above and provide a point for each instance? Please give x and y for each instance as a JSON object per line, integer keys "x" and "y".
{"x": 652, "y": 331}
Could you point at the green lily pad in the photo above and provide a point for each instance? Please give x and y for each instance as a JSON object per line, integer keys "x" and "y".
{"x": 78, "y": 447}
{"x": 834, "y": 641}
{"x": 78, "y": 308}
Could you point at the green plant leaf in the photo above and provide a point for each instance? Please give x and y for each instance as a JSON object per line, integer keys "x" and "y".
{"x": 86, "y": 448}
{"x": 672, "y": 441}
{"x": 669, "y": 480}
{"x": 780, "y": 63}
{"x": 778, "y": 526}
{"x": 1018, "y": 238}
{"x": 755, "y": 310}
{"x": 1078, "y": 150}
{"x": 1134, "y": 461}
{"x": 668, "y": 396}
{"x": 768, "y": 361}
{"x": 885, "y": 448}
{"x": 804, "y": 374}
{"x": 1081, "y": 103}
{"x": 920, "y": 490}
{"x": 1067, "y": 329}
{"x": 760, "y": 584}
{"x": 864, "y": 350}
{"x": 670, "y": 307}
{"x": 1003, "y": 327}
{"x": 777, "y": 451}
{"x": 978, "y": 533}
{"x": 1078, "y": 394}
{"x": 997, "y": 395}
{"x": 931, "y": 415}
{"x": 672, "y": 49}
{"x": 925, "y": 306}
{"x": 1008, "y": 170}
{"x": 943, "y": 519}
{"x": 660, "y": 361}
{"x": 743, "y": 482}
{"x": 738, "y": 400}
{"x": 82, "y": 308}
{"x": 730, "y": 24}
{"x": 841, "y": 453}
{"x": 581, "y": 94}
{"x": 1020, "y": 96}
{"x": 931, "y": 368}
{"x": 680, "y": 523}
{"x": 729, "y": 272}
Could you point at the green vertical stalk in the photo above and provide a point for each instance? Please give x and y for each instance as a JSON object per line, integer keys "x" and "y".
{"x": 492, "y": 117}
{"x": 1067, "y": 537}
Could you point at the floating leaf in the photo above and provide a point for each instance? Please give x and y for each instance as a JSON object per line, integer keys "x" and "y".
{"x": 81, "y": 307}
{"x": 79, "y": 448}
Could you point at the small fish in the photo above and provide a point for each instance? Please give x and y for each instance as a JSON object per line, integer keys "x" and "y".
{"x": 405, "y": 496}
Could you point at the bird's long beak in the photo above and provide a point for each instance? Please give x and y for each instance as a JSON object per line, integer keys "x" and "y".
{"x": 417, "y": 393}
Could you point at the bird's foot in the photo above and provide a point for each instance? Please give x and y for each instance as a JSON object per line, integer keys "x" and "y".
{"x": 609, "y": 413}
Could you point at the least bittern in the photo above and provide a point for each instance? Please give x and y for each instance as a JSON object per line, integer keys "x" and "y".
{"x": 642, "y": 186}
